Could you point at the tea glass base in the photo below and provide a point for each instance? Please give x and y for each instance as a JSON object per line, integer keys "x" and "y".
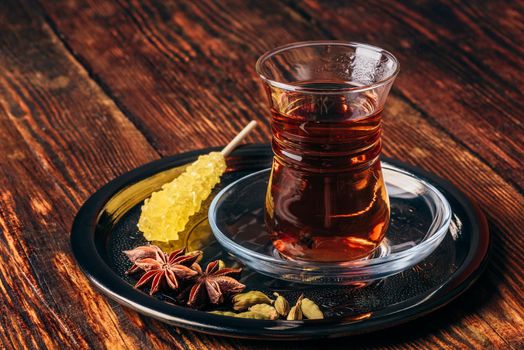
{"x": 420, "y": 217}
{"x": 380, "y": 251}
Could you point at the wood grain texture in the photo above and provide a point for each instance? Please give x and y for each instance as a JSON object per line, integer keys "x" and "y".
{"x": 92, "y": 88}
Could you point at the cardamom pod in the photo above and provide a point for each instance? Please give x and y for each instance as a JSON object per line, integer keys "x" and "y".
{"x": 311, "y": 310}
{"x": 281, "y": 305}
{"x": 253, "y": 315}
{"x": 295, "y": 313}
{"x": 266, "y": 310}
{"x": 223, "y": 313}
{"x": 243, "y": 301}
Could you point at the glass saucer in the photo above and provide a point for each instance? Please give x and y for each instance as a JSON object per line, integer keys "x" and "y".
{"x": 420, "y": 217}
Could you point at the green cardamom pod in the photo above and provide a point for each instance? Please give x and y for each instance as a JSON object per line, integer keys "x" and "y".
{"x": 266, "y": 310}
{"x": 281, "y": 305}
{"x": 311, "y": 310}
{"x": 295, "y": 313}
{"x": 223, "y": 313}
{"x": 253, "y": 315}
{"x": 243, "y": 301}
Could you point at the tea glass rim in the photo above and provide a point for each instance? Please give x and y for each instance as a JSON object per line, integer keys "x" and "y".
{"x": 300, "y": 44}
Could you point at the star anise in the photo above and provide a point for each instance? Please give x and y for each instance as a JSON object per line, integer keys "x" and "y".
{"x": 142, "y": 252}
{"x": 213, "y": 285}
{"x": 164, "y": 269}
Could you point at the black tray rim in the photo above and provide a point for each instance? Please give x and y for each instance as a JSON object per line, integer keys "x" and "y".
{"x": 109, "y": 283}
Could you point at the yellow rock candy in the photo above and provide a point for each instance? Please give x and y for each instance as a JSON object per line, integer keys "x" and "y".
{"x": 166, "y": 213}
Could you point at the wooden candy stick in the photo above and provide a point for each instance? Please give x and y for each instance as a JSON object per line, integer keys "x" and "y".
{"x": 237, "y": 139}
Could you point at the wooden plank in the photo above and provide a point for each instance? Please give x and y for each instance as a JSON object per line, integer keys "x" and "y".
{"x": 178, "y": 68}
{"x": 61, "y": 138}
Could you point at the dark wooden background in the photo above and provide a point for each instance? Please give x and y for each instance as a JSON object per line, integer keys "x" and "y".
{"x": 91, "y": 89}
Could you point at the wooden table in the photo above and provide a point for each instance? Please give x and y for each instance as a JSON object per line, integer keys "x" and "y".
{"x": 91, "y": 89}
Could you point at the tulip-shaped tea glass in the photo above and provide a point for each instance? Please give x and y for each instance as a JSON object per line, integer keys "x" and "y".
{"x": 326, "y": 200}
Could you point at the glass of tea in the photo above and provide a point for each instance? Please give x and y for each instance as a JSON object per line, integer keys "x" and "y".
{"x": 326, "y": 200}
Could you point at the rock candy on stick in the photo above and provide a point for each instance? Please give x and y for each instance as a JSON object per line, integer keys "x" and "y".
{"x": 165, "y": 214}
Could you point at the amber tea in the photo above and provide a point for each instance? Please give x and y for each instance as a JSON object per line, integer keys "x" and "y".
{"x": 327, "y": 200}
